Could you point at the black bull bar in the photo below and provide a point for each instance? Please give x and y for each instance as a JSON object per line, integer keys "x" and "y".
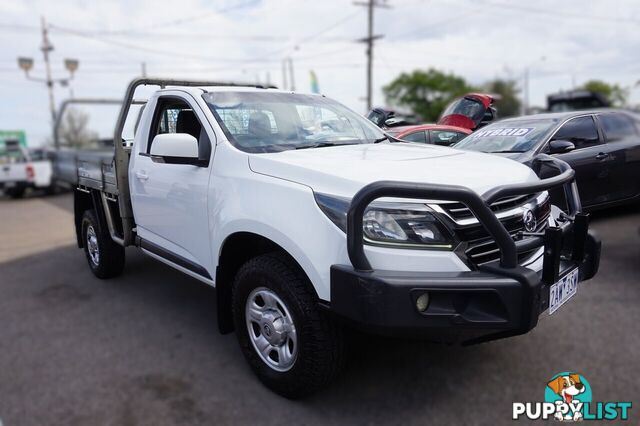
{"x": 499, "y": 300}
{"x": 575, "y": 223}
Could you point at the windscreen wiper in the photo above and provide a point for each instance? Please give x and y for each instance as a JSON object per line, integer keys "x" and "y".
{"x": 504, "y": 152}
{"x": 322, "y": 145}
{"x": 385, "y": 138}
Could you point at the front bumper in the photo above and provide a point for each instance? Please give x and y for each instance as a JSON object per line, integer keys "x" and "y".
{"x": 465, "y": 307}
{"x": 498, "y": 300}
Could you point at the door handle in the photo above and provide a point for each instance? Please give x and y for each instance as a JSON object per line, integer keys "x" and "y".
{"x": 141, "y": 175}
{"x": 602, "y": 156}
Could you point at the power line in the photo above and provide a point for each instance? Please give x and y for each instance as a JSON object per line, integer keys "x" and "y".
{"x": 135, "y": 68}
{"x": 155, "y": 25}
{"x": 174, "y": 54}
{"x": 260, "y": 38}
{"x": 327, "y": 29}
{"x": 19, "y": 27}
{"x": 563, "y": 14}
{"x": 440, "y": 23}
{"x": 184, "y": 20}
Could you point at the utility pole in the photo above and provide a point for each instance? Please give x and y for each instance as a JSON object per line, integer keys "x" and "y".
{"x": 287, "y": 68}
{"x": 46, "y": 48}
{"x": 284, "y": 75}
{"x": 291, "y": 75}
{"x": 143, "y": 67}
{"x": 525, "y": 92}
{"x": 371, "y": 5}
{"x": 525, "y": 85}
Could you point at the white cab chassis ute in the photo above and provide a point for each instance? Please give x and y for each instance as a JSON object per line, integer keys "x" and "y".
{"x": 307, "y": 218}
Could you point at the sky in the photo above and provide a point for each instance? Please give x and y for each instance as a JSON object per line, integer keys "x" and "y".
{"x": 562, "y": 44}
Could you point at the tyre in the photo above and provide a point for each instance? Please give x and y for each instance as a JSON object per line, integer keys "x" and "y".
{"x": 16, "y": 193}
{"x": 293, "y": 346}
{"x": 50, "y": 190}
{"x": 105, "y": 257}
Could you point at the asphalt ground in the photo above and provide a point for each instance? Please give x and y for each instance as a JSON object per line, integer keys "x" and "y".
{"x": 143, "y": 349}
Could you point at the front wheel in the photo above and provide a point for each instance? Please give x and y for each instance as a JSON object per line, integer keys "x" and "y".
{"x": 293, "y": 347}
{"x": 105, "y": 257}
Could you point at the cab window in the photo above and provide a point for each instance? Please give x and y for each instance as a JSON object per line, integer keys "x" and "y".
{"x": 174, "y": 115}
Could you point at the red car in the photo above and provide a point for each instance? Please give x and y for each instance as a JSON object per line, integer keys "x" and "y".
{"x": 470, "y": 111}
{"x": 436, "y": 134}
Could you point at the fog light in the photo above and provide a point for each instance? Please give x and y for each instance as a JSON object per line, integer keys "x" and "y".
{"x": 423, "y": 302}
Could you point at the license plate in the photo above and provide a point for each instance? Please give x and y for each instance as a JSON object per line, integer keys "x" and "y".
{"x": 563, "y": 290}
{"x": 9, "y": 184}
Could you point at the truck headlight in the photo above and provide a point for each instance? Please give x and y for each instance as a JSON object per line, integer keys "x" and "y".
{"x": 406, "y": 225}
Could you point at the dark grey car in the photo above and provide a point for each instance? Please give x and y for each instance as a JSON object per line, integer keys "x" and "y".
{"x": 602, "y": 146}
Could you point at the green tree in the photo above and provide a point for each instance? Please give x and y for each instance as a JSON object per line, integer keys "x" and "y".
{"x": 426, "y": 93}
{"x": 614, "y": 93}
{"x": 507, "y": 101}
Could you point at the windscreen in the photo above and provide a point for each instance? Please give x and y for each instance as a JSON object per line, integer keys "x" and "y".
{"x": 468, "y": 107}
{"x": 267, "y": 121}
{"x": 508, "y": 136}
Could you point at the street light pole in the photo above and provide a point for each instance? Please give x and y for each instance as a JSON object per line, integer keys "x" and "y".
{"x": 525, "y": 92}
{"x": 524, "y": 108}
{"x": 46, "y": 48}
{"x": 71, "y": 65}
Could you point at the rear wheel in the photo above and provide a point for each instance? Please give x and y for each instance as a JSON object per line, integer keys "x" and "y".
{"x": 105, "y": 257}
{"x": 16, "y": 193}
{"x": 293, "y": 347}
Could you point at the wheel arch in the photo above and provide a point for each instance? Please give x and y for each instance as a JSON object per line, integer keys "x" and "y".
{"x": 236, "y": 249}
{"x": 83, "y": 201}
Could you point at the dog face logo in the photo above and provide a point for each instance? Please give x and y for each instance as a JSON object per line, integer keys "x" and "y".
{"x": 567, "y": 387}
{"x": 568, "y": 391}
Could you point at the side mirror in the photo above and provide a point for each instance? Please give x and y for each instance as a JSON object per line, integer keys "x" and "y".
{"x": 560, "y": 146}
{"x": 393, "y": 121}
{"x": 175, "y": 148}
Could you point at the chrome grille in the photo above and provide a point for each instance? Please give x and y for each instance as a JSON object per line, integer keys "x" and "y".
{"x": 480, "y": 248}
{"x": 485, "y": 250}
{"x": 459, "y": 211}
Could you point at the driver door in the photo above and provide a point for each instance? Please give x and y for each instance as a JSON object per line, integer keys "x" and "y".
{"x": 589, "y": 159}
{"x": 170, "y": 200}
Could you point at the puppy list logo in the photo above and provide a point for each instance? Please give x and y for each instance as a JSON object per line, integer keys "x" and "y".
{"x": 568, "y": 397}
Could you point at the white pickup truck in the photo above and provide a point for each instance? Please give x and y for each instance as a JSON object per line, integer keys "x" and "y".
{"x": 307, "y": 219}
{"x": 21, "y": 169}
